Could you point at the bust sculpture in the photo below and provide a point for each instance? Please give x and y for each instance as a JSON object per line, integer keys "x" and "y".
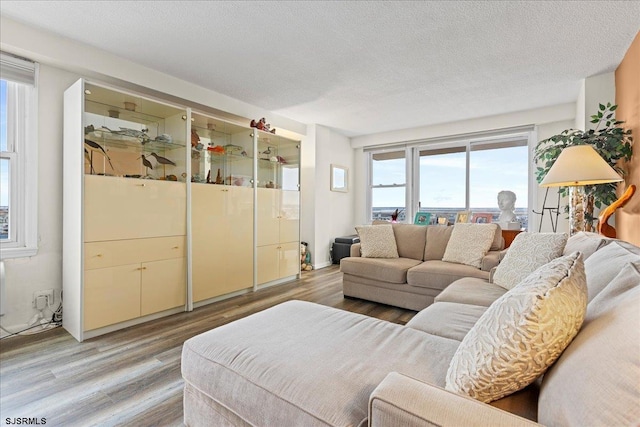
{"x": 506, "y": 203}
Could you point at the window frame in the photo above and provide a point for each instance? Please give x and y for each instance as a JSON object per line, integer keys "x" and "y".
{"x": 407, "y": 182}
{"x": 22, "y": 152}
{"x": 412, "y": 156}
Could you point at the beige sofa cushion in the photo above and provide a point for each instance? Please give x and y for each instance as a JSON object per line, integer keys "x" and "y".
{"x": 528, "y": 252}
{"x": 437, "y": 239}
{"x": 471, "y": 290}
{"x": 469, "y": 243}
{"x": 528, "y": 326}
{"x": 380, "y": 269}
{"x": 410, "y": 240}
{"x": 304, "y": 364}
{"x": 377, "y": 241}
{"x": 440, "y": 274}
{"x": 606, "y": 263}
{"x": 585, "y": 243}
{"x": 596, "y": 381}
{"x": 447, "y": 319}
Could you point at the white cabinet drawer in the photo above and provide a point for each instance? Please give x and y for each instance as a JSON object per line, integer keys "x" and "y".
{"x": 121, "y": 252}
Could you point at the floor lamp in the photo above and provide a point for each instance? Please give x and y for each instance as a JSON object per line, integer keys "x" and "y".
{"x": 576, "y": 167}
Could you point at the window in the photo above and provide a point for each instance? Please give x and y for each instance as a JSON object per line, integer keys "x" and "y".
{"x": 18, "y": 157}
{"x": 452, "y": 175}
{"x": 387, "y": 184}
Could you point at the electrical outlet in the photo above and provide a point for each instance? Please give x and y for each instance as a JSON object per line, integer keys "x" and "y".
{"x": 47, "y": 293}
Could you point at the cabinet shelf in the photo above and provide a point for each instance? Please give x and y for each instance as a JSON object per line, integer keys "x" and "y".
{"x": 130, "y": 142}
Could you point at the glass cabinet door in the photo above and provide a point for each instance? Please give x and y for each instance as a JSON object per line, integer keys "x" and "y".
{"x": 130, "y": 136}
{"x": 221, "y": 152}
{"x": 278, "y": 162}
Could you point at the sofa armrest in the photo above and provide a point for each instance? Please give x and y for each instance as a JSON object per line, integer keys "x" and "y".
{"x": 403, "y": 401}
{"x": 490, "y": 260}
{"x": 355, "y": 250}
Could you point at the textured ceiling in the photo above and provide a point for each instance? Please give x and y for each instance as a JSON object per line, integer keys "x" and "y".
{"x": 360, "y": 67}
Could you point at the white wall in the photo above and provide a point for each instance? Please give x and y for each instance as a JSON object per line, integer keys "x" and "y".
{"x": 43, "y": 271}
{"x": 333, "y": 212}
{"x": 545, "y": 131}
{"x": 599, "y": 89}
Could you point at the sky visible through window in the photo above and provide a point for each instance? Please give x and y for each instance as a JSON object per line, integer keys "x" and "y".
{"x": 442, "y": 179}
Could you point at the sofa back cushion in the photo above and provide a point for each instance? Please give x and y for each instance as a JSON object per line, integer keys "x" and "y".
{"x": 469, "y": 243}
{"x": 595, "y": 381}
{"x": 410, "y": 240}
{"x": 528, "y": 252}
{"x": 584, "y": 242}
{"x": 606, "y": 263}
{"x": 498, "y": 240}
{"x": 437, "y": 239}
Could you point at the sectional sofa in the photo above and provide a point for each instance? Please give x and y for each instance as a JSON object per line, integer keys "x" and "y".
{"x": 303, "y": 364}
{"x": 418, "y": 274}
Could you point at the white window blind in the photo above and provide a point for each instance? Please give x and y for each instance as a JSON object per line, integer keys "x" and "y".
{"x": 15, "y": 69}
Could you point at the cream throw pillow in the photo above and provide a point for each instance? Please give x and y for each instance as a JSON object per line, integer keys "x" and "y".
{"x": 377, "y": 241}
{"x": 522, "y": 333}
{"x": 528, "y": 252}
{"x": 469, "y": 243}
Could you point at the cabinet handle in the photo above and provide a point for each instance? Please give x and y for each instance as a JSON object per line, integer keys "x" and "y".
{"x": 99, "y": 255}
{"x": 141, "y": 268}
{"x": 176, "y": 247}
{"x": 142, "y": 185}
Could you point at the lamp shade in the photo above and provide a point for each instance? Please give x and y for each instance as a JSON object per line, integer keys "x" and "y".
{"x": 579, "y": 165}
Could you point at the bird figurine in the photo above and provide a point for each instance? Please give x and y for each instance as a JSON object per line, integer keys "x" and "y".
{"x": 163, "y": 160}
{"x": 98, "y": 147}
{"x": 145, "y": 162}
{"x": 88, "y": 157}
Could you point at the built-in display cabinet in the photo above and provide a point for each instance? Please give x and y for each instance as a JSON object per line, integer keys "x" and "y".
{"x": 166, "y": 208}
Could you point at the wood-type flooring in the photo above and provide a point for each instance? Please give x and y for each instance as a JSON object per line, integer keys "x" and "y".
{"x": 132, "y": 377}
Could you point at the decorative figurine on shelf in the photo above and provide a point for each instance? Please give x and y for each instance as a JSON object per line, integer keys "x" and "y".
{"x": 262, "y": 125}
{"x": 506, "y": 203}
{"x": 163, "y": 160}
{"x": 270, "y": 184}
{"x": 195, "y": 138}
{"x": 394, "y": 215}
{"x": 209, "y": 177}
{"x": 219, "y": 178}
{"x": 218, "y": 149}
{"x": 98, "y": 147}
{"x": 146, "y": 163}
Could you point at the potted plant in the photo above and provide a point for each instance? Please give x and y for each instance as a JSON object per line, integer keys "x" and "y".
{"x": 608, "y": 138}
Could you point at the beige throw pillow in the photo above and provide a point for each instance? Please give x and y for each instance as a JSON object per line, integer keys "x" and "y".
{"x": 522, "y": 333}
{"x": 377, "y": 241}
{"x": 527, "y": 252}
{"x": 469, "y": 243}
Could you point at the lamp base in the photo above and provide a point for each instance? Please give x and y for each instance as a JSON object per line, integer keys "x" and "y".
{"x": 577, "y": 204}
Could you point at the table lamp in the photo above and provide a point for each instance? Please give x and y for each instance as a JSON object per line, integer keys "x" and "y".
{"x": 575, "y": 167}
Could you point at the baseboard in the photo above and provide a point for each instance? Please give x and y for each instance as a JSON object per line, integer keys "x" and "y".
{"x": 322, "y": 265}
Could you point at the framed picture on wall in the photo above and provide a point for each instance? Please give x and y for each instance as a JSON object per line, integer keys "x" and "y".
{"x": 462, "y": 216}
{"x": 482, "y": 218}
{"x": 422, "y": 218}
{"x": 442, "y": 220}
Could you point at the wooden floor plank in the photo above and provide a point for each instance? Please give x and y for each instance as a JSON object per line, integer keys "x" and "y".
{"x": 132, "y": 376}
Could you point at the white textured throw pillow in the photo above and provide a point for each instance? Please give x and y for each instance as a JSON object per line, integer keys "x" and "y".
{"x": 528, "y": 252}
{"x": 469, "y": 243}
{"x": 377, "y": 241}
{"x": 522, "y": 333}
